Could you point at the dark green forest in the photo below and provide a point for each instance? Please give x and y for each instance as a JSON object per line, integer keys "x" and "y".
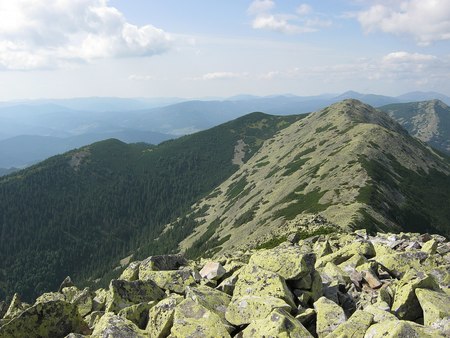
{"x": 58, "y": 219}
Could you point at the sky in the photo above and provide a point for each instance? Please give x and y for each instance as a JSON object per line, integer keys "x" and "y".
{"x": 220, "y": 48}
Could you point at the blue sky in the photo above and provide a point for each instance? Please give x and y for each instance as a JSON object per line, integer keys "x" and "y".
{"x": 203, "y": 48}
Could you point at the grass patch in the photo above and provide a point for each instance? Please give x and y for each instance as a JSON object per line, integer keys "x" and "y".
{"x": 302, "y": 202}
{"x": 236, "y": 188}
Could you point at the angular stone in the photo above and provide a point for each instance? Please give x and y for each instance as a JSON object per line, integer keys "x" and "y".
{"x": 246, "y": 309}
{"x": 111, "y": 325}
{"x": 214, "y": 300}
{"x": 325, "y": 250}
{"x": 172, "y": 280}
{"x": 331, "y": 272}
{"x": 70, "y": 292}
{"x": 435, "y": 305}
{"x": 162, "y": 263}
{"x": 16, "y": 307}
{"x": 397, "y": 264}
{"x": 137, "y": 313}
{"x": 355, "y": 327}
{"x": 212, "y": 270}
{"x": 379, "y": 315}
{"x": 84, "y": 302}
{"x": 228, "y": 284}
{"x": 99, "y": 301}
{"x": 307, "y": 317}
{"x": 131, "y": 272}
{"x": 364, "y": 248}
{"x": 372, "y": 279}
{"x": 329, "y": 316}
{"x": 400, "y": 329}
{"x": 430, "y": 247}
{"x": 290, "y": 262}
{"x": 93, "y": 318}
{"x": 256, "y": 281}
{"x": 49, "y": 319}
{"x": 405, "y": 305}
{"x": 50, "y": 296}
{"x": 123, "y": 294}
{"x": 278, "y": 324}
{"x": 160, "y": 318}
{"x": 67, "y": 282}
{"x": 194, "y": 320}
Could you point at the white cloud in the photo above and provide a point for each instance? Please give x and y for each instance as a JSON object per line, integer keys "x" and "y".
{"x": 304, "y": 9}
{"x": 137, "y": 77}
{"x": 260, "y": 6}
{"x": 426, "y": 21}
{"x": 303, "y": 21}
{"x": 52, "y": 33}
{"x": 223, "y": 76}
{"x": 402, "y": 57}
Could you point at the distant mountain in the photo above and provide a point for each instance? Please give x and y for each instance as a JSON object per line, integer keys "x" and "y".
{"x": 4, "y": 171}
{"x": 350, "y": 163}
{"x": 429, "y": 121}
{"x": 423, "y": 96}
{"x": 80, "y": 212}
{"x": 24, "y": 150}
{"x": 371, "y": 99}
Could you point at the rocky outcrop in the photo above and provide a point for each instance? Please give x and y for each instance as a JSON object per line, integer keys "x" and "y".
{"x": 335, "y": 285}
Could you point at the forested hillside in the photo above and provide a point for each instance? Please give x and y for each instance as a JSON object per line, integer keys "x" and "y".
{"x": 80, "y": 212}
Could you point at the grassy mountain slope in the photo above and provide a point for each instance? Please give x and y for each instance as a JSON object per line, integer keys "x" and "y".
{"x": 429, "y": 121}
{"x": 80, "y": 212}
{"x": 349, "y": 162}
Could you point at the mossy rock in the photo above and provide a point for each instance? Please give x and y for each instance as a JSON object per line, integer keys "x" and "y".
{"x": 49, "y": 319}
{"x": 400, "y": 329}
{"x": 256, "y": 281}
{"x": 160, "y": 318}
{"x": 287, "y": 261}
{"x": 137, "y": 313}
{"x": 16, "y": 307}
{"x": 111, "y": 325}
{"x": 399, "y": 263}
{"x": 214, "y": 300}
{"x": 364, "y": 248}
{"x": 435, "y": 305}
{"x": 194, "y": 320}
{"x": 329, "y": 316}
{"x": 131, "y": 272}
{"x": 124, "y": 293}
{"x": 406, "y": 305}
{"x": 173, "y": 281}
{"x": 161, "y": 263}
{"x": 278, "y": 324}
{"x": 246, "y": 309}
{"x": 355, "y": 327}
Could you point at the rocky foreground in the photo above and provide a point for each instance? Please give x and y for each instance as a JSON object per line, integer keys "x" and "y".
{"x": 336, "y": 285}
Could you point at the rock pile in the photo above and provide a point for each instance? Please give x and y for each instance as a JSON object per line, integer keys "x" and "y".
{"x": 336, "y": 285}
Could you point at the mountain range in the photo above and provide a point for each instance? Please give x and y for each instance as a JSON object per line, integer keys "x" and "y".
{"x": 29, "y": 125}
{"x": 249, "y": 180}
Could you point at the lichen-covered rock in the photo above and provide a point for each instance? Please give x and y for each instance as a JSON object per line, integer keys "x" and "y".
{"x": 93, "y": 318}
{"x": 290, "y": 262}
{"x": 278, "y": 324}
{"x": 194, "y": 320}
{"x": 160, "y": 317}
{"x": 355, "y": 327}
{"x": 256, "y": 281}
{"x": 371, "y": 278}
{"x": 131, "y": 272}
{"x": 399, "y": 263}
{"x": 50, "y": 296}
{"x": 114, "y": 326}
{"x": 214, "y": 300}
{"x": 70, "y": 292}
{"x": 124, "y": 293}
{"x": 161, "y": 263}
{"x": 84, "y": 302}
{"x": 137, "y": 313}
{"x": 364, "y": 248}
{"x": 379, "y": 315}
{"x": 246, "y": 309}
{"x": 405, "y": 305}
{"x": 435, "y": 305}
{"x": 16, "y": 307}
{"x": 212, "y": 271}
{"x": 228, "y": 284}
{"x": 331, "y": 272}
{"x": 329, "y": 316}
{"x": 430, "y": 246}
{"x": 173, "y": 280}
{"x": 400, "y": 329}
{"x": 49, "y": 319}
{"x": 99, "y": 301}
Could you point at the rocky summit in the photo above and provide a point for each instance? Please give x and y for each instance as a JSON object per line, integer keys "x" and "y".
{"x": 329, "y": 285}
